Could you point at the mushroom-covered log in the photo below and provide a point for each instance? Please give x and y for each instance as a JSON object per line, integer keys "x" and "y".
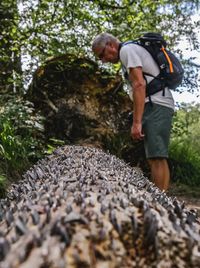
{"x": 82, "y": 207}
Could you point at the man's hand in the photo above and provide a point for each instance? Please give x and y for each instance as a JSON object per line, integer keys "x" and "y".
{"x": 136, "y": 131}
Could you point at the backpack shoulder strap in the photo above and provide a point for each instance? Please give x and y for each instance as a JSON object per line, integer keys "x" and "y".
{"x": 127, "y": 43}
{"x": 137, "y": 42}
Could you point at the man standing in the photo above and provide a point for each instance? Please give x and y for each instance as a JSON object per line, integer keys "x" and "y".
{"x": 152, "y": 117}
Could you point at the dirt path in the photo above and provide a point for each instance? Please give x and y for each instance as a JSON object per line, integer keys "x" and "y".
{"x": 190, "y": 195}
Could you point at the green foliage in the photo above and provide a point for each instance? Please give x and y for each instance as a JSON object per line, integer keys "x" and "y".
{"x": 20, "y": 137}
{"x": 185, "y": 145}
{"x": 32, "y": 31}
{"x": 52, "y": 144}
{"x": 3, "y": 185}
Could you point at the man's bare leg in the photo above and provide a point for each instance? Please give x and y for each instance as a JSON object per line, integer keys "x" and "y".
{"x": 160, "y": 172}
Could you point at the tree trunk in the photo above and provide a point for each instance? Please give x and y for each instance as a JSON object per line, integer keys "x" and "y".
{"x": 10, "y": 60}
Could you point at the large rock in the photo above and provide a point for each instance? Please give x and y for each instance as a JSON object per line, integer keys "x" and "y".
{"x": 81, "y": 207}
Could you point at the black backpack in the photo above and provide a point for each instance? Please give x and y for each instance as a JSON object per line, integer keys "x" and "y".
{"x": 171, "y": 71}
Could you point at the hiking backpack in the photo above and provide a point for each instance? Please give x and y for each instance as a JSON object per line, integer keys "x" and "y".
{"x": 171, "y": 71}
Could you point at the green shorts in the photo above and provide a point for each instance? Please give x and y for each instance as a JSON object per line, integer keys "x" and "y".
{"x": 156, "y": 123}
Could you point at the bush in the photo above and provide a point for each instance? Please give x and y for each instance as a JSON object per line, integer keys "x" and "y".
{"x": 185, "y": 145}
{"x": 20, "y": 137}
{"x": 185, "y": 163}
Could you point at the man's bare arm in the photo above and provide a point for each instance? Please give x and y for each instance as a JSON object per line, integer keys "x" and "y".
{"x": 138, "y": 85}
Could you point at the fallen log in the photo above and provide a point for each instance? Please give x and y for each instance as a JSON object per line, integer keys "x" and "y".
{"x": 82, "y": 207}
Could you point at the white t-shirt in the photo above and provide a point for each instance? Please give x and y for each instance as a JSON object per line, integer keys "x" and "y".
{"x": 133, "y": 55}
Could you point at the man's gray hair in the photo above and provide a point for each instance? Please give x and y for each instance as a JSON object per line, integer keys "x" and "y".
{"x": 102, "y": 39}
